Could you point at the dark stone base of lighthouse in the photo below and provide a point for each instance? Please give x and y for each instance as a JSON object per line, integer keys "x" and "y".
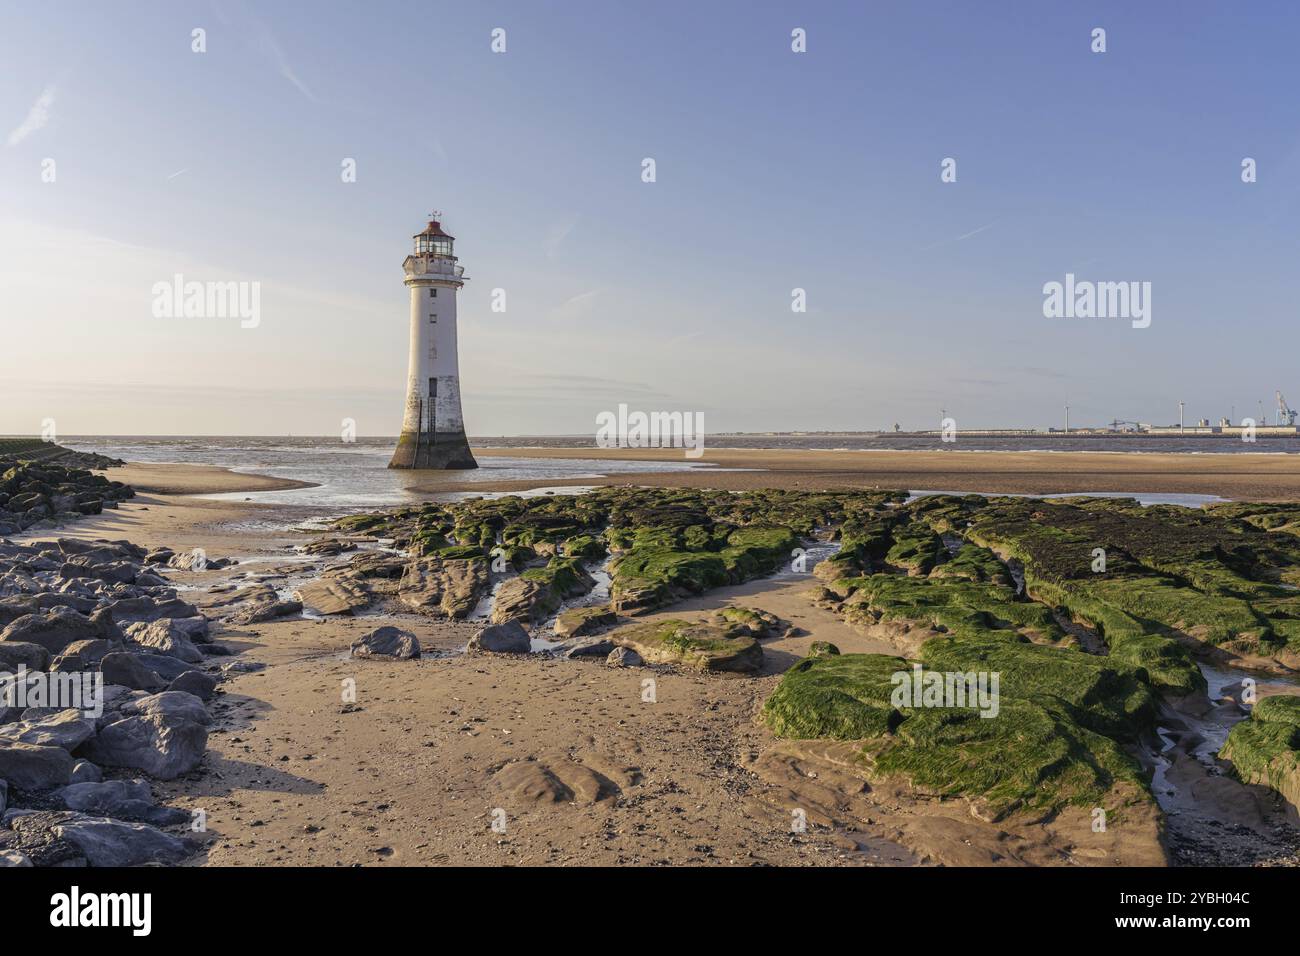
{"x": 444, "y": 452}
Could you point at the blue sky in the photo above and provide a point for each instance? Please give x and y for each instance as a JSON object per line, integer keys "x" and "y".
{"x": 775, "y": 170}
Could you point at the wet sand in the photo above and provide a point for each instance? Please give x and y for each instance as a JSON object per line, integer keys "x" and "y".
{"x": 1249, "y": 477}
{"x": 181, "y": 479}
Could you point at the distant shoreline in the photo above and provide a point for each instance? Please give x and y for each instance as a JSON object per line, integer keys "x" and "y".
{"x": 1237, "y": 476}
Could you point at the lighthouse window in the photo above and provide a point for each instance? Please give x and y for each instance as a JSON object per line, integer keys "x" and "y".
{"x": 433, "y": 293}
{"x": 433, "y": 319}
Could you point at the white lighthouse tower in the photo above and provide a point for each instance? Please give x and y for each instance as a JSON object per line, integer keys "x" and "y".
{"x": 433, "y": 430}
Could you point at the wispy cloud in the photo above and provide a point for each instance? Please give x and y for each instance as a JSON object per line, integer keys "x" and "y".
{"x": 179, "y": 172}
{"x": 556, "y": 236}
{"x": 264, "y": 42}
{"x": 962, "y": 237}
{"x": 36, "y": 119}
{"x": 577, "y": 306}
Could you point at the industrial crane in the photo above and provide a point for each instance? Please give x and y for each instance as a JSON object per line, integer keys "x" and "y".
{"x": 1286, "y": 415}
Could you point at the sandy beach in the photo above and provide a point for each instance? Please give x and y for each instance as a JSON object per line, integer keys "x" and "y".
{"x": 584, "y": 769}
{"x": 1247, "y": 477}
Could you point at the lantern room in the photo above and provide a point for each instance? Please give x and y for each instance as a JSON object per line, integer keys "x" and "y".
{"x": 433, "y": 241}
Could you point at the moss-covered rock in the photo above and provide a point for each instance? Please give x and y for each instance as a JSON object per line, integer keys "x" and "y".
{"x": 701, "y": 646}
{"x": 1037, "y": 752}
{"x": 1265, "y": 749}
{"x": 581, "y": 621}
{"x": 751, "y": 621}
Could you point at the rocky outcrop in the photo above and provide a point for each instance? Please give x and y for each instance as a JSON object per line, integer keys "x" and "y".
{"x": 85, "y": 610}
{"x": 35, "y": 491}
{"x": 444, "y": 587}
{"x": 335, "y": 593}
{"x": 702, "y": 646}
{"x": 582, "y": 621}
{"x": 1265, "y": 749}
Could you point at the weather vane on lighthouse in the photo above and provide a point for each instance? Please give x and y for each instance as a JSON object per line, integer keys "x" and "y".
{"x": 433, "y": 430}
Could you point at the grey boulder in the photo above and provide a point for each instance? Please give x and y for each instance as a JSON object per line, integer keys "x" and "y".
{"x": 164, "y": 637}
{"x": 121, "y": 799}
{"x": 66, "y": 729}
{"x": 624, "y": 657}
{"x": 127, "y": 670}
{"x": 165, "y": 736}
{"x": 201, "y": 685}
{"x": 507, "y": 638}
{"x": 15, "y": 654}
{"x": 105, "y": 842}
{"x": 387, "y": 642}
{"x": 54, "y": 629}
{"x": 34, "y": 767}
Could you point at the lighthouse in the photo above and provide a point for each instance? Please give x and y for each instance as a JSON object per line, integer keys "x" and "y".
{"x": 433, "y": 430}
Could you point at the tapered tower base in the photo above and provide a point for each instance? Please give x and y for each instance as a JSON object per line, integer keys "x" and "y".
{"x": 448, "y": 452}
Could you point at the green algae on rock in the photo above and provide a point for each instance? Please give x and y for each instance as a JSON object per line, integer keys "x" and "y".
{"x": 1039, "y": 753}
{"x": 702, "y": 645}
{"x": 1265, "y": 749}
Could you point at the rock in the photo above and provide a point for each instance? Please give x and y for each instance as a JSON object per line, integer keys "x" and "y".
{"x": 127, "y": 670}
{"x": 14, "y": 858}
{"x": 243, "y": 667}
{"x": 333, "y": 594}
{"x": 539, "y": 592}
{"x": 165, "y": 739}
{"x": 258, "y": 611}
{"x": 444, "y": 586}
{"x": 148, "y": 609}
{"x": 623, "y": 657}
{"x": 15, "y": 654}
{"x": 524, "y": 600}
{"x": 580, "y": 621}
{"x": 703, "y": 646}
{"x": 170, "y": 704}
{"x": 4, "y": 795}
{"x": 106, "y": 842}
{"x": 121, "y": 799}
{"x": 327, "y": 546}
{"x": 508, "y": 638}
{"x": 168, "y": 668}
{"x": 822, "y": 649}
{"x": 54, "y": 629}
{"x": 83, "y": 771}
{"x": 387, "y": 642}
{"x": 66, "y": 729}
{"x": 589, "y": 647}
{"x": 202, "y": 686}
{"x": 32, "y": 767}
{"x": 746, "y": 620}
{"x": 164, "y": 637}
{"x": 1265, "y": 749}
{"x": 81, "y": 655}
{"x": 195, "y": 627}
